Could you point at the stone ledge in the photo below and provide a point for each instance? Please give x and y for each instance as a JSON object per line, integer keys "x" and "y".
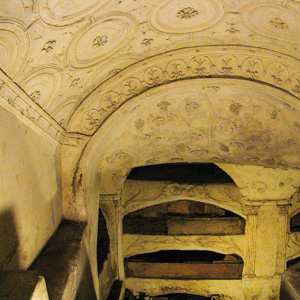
{"x": 61, "y": 263}
{"x": 22, "y": 285}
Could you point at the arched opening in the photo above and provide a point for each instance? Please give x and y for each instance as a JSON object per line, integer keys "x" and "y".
{"x": 293, "y": 262}
{"x": 188, "y": 264}
{"x": 103, "y": 242}
{"x": 181, "y": 172}
{"x": 295, "y": 223}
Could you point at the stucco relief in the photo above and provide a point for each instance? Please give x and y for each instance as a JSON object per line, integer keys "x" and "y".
{"x": 210, "y": 137}
{"x": 258, "y": 66}
{"x": 13, "y": 46}
{"x": 19, "y": 103}
{"x": 293, "y": 245}
{"x": 176, "y": 16}
{"x": 97, "y": 41}
{"x": 64, "y": 12}
{"x": 275, "y": 21}
{"x": 139, "y": 194}
{"x": 42, "y": 85}
{"x": 138, "y": 244}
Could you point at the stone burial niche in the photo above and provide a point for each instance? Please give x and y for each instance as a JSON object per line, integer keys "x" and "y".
{"x": 181, "y": 222}
{"x": 176, "y": 264}
{"x": 183, "y": 217}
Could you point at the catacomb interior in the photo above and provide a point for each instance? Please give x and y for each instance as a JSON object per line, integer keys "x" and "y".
{"x": 134, "y": 132}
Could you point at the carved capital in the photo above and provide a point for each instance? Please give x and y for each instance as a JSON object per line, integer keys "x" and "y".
{"x": 252, "y": 209}
{"x": 283, "y": 209}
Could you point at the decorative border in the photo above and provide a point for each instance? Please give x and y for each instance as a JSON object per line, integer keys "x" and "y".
{"x": 259, "y": 65}
{"x": 19, "y": 103}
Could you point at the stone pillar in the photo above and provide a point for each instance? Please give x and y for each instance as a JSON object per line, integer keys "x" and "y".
{"x": 251, "y": 228}
{"x": 281, "y": 239}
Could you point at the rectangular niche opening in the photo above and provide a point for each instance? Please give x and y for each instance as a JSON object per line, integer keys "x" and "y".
{"x": 183, "y": 217}
{"x": 175, "y": 264}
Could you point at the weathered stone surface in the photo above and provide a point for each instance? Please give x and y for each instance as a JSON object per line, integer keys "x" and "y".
{"x": 290, "y": 283}
{"x": 123, "y": 84}
{"x": 62, "y": 261}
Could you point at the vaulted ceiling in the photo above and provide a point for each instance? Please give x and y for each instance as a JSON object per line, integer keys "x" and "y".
{"x": 144, "y": 69}
{"x": 58, "y": 51}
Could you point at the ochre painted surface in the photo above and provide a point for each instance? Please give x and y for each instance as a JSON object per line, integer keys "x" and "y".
{"x": 90, "y": 89}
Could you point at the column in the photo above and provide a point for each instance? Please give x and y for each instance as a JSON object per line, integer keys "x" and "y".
{"x": 281, "y": 238}
{"x": 251, "y": 227}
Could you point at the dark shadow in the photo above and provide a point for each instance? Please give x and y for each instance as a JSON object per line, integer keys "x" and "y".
{"x": 292, "y": 262}
{"x": 181, "y": 172}
{"x": 295, "y": 223}
{"x": 290, "y": 283}
{"x": 9, "y": 242}
{"x": 58, "y": 260}
{"x": 115, "y": 291}
{"x": 102, "y": 242}
{"x": 86, "y": 288}
{"x": 180, "y": 297}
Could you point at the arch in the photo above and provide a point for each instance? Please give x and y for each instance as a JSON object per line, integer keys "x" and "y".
{"x": 203, "y": 173}
{"x": 91, "y": 148}
{"x": 255, "y": 64}
{"x": 183, "y": 217}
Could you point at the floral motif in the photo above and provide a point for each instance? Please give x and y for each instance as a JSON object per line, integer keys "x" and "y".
{"x": 191, "y": 106}
{"x": 176, "y": 189}
{"x": 176, "y": 69}
{"x": 49, "y": 46}
{"x": 278, "y": 71}
{"x": 110, "y": 101}
{"x": 274, "y": 114}
{"x": 252, "y": 67}
{"x": 227, "y": 65}
{"x": 181, "y": 148}
{"x": 147, "y": 42}
{"x": 100, "y": 41}
{"x": 75, "y": 83}
{"x": 187, "y": 13}
{"x": 278, "y": 23}
{"x": 201, "y": 65}
{"x": 120, "y": 157}
{"x": 163, "y": 105}
{"x": 154, "y": 76}
{"x": 235, "y": 108}
{"x": 93, "y": 119}
{"x": 295, "y": 83}
{"x": 139, "y": 124}
{"x": 224, "y": 148}
{"x": 232, "y": 29}
{"x": 132, "y": 86}
{"x": 227, "y": 127}
{"x": 159, "y": 121}
{"x": 35, "y": 95}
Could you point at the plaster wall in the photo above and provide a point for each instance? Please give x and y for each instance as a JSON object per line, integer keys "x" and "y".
{"x": 30, "y": 192}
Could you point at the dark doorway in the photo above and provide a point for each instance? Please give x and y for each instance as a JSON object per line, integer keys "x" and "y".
{"x": 102, "y": 242}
